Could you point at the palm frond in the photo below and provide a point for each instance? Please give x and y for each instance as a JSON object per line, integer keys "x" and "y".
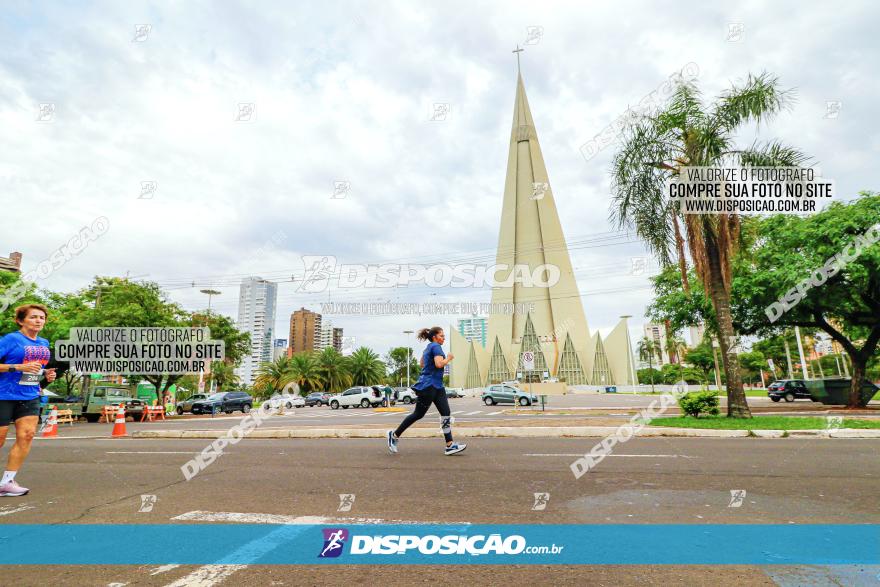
{"x": 772, "y": 154}
{"x": 757, "y": 99}
{"x": 640, "y": 172}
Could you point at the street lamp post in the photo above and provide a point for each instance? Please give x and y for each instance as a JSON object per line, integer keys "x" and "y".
{"x": 209, "y": 293}
{"x": 408, "y": 360}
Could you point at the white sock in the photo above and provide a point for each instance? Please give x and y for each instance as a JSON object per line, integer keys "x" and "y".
{"x": 8, "y": 476}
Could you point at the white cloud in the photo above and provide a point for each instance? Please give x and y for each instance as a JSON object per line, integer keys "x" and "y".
{"x": 344, "y": 92}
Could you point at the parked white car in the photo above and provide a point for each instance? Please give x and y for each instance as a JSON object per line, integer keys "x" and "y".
{"x": 405, "y": 395}
{"x": 279, "y": 401}
{"x": 357, "y": 396}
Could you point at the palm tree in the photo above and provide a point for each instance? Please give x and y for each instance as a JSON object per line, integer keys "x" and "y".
{"x": 305, "y": 371}
{"x": 687, "y": 133}
{"x": 365, "y": 367}
{"x": 647, "y": 349}
{"x": 274, "y": 375}
{"x": 677, "y": 347}
{"x": 224, "y": 375}
{"x": 334, "y": 370}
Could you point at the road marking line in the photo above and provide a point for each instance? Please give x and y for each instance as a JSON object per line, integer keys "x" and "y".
{"x": 458, "y": 412}
{"x": 474, "y": 413}
{"x": 582, "y": 454}
{"x": 7, "y": 510}
{"x": 494, "y": 413}
{"x": 149, "y": 452}
{"x": 163, "y": 569}
{"x": 256, "y": 518}
{"x": 207, "y": 576}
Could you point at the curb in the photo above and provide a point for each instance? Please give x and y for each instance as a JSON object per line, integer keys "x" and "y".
{"x": 514, "y": 432}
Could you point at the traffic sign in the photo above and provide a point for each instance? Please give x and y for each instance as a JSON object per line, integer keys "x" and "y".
{"x": 528, "y": 360}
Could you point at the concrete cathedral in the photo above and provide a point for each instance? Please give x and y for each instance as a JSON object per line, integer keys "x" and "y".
{"x": 555, "y": 330}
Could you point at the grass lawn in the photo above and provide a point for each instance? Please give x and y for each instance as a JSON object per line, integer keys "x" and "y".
{"x": 722, "y": 393}
{"x": 760, "y": 423}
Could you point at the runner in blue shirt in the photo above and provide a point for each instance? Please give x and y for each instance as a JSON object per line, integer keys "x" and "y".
{"x": 429, "y": 390}
{"x": 23, "y": 356}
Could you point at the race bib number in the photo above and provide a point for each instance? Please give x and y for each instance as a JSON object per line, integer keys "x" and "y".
{"x": 31, "y": 378}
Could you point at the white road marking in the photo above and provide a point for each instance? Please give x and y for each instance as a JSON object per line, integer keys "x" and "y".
{"x": 582, "y": 454}
{"x": 207, "y": 576}
{"x": 458, "y": 412}
{"x": 474, "y": 413}
{"x": 7, "y": 510}
{"x": 149, "y": 452}
{"x": 254, "y": 518}
{"x": 494, "y": 413}
{"x": 163, "y": 569}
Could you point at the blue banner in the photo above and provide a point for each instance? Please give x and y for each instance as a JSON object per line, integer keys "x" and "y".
{"x": 415, "y": 544}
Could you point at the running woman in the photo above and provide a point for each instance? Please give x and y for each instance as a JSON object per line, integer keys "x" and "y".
{"x": 429, "y": 390}
{"x": 23, "y": 355}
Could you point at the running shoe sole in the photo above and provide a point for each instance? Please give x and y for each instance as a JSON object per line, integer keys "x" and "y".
{"x": 458, "y": 448}
{"x": 10, "y": 494}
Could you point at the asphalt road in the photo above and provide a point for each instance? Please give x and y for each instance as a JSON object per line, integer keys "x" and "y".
{"x": 645, "y": 481}
{"x": 468, "y": 409}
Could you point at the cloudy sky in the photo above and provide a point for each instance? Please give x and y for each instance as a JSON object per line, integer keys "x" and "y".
{"x": 346, "y": 92}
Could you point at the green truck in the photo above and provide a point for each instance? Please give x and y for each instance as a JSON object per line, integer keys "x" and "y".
{"x": 96, "y": 393}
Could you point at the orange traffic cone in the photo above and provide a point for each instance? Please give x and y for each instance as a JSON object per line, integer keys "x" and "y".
{"x": 119, "y": 424}
{"x": 51, "y": 428}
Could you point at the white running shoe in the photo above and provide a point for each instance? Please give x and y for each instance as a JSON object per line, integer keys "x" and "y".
{"x": 12, "y": 489}
{"x": 455, "y": 448}
{"x": 392, "y": 442}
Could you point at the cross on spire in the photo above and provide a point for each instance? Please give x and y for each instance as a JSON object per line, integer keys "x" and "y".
{"x": 518, "y": 50}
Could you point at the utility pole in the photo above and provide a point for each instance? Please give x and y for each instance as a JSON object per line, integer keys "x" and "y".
{"x": 797, "y": 335}
{"x": 408, "y": 359}
{"x": 203, "y": 373}
{"x": 715, "y": 357}
{"x": 788, "y": 357}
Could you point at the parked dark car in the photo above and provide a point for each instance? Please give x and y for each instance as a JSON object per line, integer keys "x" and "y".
{"x": 226, "y": 402}
{"x": 453, "y": 392}
{"x": 319, "y": 398}
{"x": 790, "y": 389}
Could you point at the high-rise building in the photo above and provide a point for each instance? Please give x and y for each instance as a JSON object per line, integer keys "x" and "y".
{"x": 474, "y": 328}
{"x": 555, "y": 327}
{"x": 279, "y": 348}
{"x": 11, "y": 263}
{"x": 305, "y": 331}
{"x": 697, "y": 333}
{"x": 330, "y": 336}
{"x": 657, "y": 334}
{"x": 256, "y": 315}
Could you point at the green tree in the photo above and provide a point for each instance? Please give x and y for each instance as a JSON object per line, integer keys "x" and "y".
{"x": 118, "y": 302}
{"x": 688, "y": 133}
{"x": 334, "y": 370}
{"x": 223, "y": 374}
{"x": 651, "y": 374}
{"x": 365, "y": 367}
{"x": 751, "y": 364}
{"x": 14, "y": 292}
{"x": 396, "y": 362}
{"x": 786, "y": 252}
{"x": 647, "y": 349}
{"x": 305, "y": 371}
{"x": 272, "y": 376}
{"x": 702, "y": 357}
{"x": 237, "y": 344}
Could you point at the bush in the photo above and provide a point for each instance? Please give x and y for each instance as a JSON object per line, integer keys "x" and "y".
{"x": 701, "y": 402}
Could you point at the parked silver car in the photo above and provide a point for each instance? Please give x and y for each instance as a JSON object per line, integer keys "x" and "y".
{"x": 187, "y": 404}
{"x": 507, "y": 394}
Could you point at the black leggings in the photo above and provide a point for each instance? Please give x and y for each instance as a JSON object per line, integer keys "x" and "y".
{"x": 426, "y": 397}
